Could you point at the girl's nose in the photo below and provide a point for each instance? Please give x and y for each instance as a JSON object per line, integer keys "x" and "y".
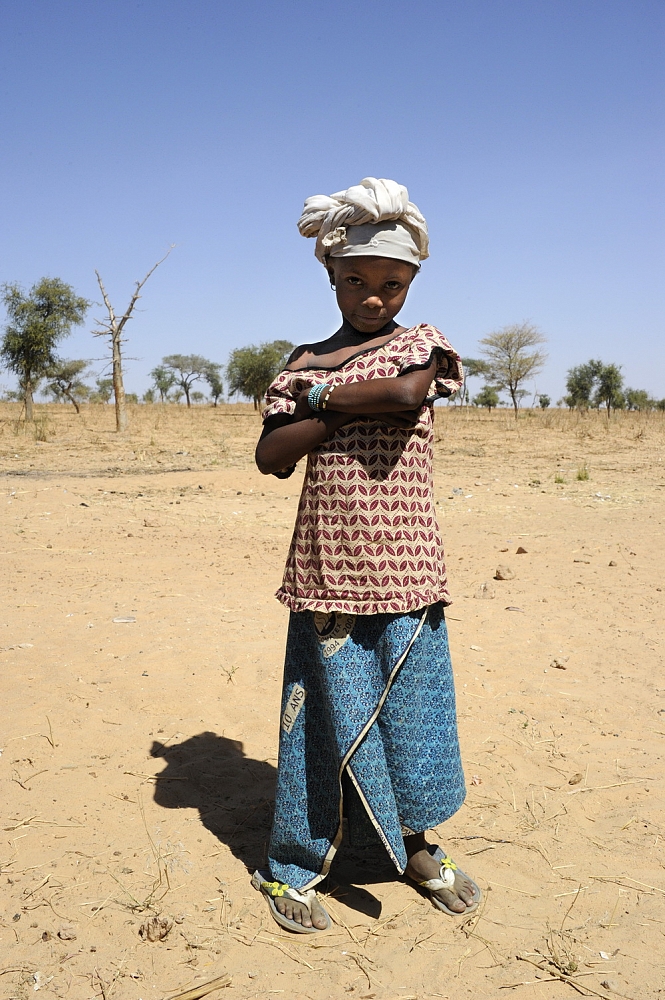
{"x": 373, "y": 302}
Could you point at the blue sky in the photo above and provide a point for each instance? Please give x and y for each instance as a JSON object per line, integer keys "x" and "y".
{"x": 529, "y": 132}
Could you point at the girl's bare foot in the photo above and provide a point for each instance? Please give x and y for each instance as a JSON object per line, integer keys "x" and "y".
{"x": 422, "y": 866}
{"x": 292, "y": 910}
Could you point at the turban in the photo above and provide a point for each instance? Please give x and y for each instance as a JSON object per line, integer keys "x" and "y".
{"x": 374, "y": 218}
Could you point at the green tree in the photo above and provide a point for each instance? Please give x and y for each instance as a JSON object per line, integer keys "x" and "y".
{"x": 214, "y": 380}
{"x": 103, "y": 392}
{"x": 37, "y": 321}
{"x": 608, "y": 391}
{"x": 488, "y": 396}
{"x": 639, "y": 399}
{"x": 164, "y": 380}
{"x": 472, "y": 368}
{"x": 544, "y": 401}
{"x": 149, "y": 396}
{"x": 198, "y": 396}
{"x": 187, "y": 369}
{"x": 250, "y": 370}
{"x": 64, "y": 379}
{"x": 511, "y": 359}
{"x": 580, "y": 383}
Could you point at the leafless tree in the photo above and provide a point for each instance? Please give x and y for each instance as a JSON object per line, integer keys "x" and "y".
{"x": 113, "y": 328}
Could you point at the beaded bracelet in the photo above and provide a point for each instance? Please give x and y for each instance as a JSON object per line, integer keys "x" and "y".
{"x": 314, "y": 395}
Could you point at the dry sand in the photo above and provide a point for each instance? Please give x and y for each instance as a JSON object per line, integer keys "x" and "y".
{"x": 138, "y": 757}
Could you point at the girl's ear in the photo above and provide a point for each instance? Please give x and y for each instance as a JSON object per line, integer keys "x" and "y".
{"x": 331, "y": 276}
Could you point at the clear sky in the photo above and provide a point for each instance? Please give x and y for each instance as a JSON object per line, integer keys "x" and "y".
{"x": 529, "y": 132}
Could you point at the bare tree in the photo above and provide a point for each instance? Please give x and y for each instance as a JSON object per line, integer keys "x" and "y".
{"x": 113, "y": 329}
{"x": 509, "y": 360}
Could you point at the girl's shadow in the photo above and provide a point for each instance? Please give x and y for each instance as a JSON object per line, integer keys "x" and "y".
{"x": 235, "y": 796}
{"x": 233, "y": 793}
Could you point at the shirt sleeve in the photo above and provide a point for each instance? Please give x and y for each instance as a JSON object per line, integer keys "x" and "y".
{"x": 425, "y": 343}
{"x": 280, "y": 396}
{"x": 281, "y": 399}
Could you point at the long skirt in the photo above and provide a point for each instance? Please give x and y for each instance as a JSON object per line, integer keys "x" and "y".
{"x": 368, "y": 715}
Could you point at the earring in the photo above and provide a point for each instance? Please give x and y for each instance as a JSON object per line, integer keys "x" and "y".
{"x": 333, "y": 286}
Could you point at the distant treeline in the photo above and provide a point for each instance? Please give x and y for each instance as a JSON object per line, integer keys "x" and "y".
{"x": 37, "y": 321}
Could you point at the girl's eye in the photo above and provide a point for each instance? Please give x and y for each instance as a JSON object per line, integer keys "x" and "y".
{"x": 393, "y": 286}
{"x": 354, "y": 281}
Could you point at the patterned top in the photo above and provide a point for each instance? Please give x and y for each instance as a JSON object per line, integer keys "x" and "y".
{"x": 366, "y": 539}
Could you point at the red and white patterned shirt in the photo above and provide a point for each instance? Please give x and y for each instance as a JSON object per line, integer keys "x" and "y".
{"x": 366, "y": 539}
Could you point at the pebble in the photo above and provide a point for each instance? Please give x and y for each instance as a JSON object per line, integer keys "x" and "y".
{"x": 485, "y": 591}
{"x": 504, "y": 573}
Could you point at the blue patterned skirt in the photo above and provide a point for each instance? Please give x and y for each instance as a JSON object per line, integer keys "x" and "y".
{"x": 368, "y": 730}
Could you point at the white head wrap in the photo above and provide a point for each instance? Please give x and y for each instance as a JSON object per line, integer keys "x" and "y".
{"x": 374, "y": 218}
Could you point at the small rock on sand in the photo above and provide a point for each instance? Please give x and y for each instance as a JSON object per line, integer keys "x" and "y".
{"x": 504, "y": 573}
{"x": 485, "y": 590}
{"x": 521, "y": 551}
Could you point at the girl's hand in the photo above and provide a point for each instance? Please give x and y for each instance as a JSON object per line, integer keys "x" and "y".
{"x": 303, "y": 409}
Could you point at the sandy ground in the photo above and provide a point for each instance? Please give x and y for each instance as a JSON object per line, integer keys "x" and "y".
{"x": 138, "y": 757}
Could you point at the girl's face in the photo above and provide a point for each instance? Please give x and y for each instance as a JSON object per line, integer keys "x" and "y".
{"x": 370, "y": 290}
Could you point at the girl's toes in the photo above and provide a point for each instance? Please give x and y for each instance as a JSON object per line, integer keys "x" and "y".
{"x": 452, "y": 901}
{"x": 466, "y": 893}
{"x": 318, "y": 917}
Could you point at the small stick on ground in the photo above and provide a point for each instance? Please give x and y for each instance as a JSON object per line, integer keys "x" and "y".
{"x": 204, "y": 989}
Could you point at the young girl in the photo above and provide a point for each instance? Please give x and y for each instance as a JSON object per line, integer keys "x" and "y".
{"x": 368, "y": 726}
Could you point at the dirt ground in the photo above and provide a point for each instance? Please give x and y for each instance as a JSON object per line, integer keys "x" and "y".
{"x": 141, "y": 652}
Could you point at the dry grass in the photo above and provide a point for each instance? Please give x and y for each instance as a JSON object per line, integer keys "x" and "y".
{"x": 163, "y": 438}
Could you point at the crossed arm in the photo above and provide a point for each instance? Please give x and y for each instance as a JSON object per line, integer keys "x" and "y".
{"x": 286, "y": 439}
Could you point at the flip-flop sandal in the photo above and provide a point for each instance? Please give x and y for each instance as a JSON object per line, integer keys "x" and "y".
{"x": 262, "y": 880}
{"x": 446, "y": 880}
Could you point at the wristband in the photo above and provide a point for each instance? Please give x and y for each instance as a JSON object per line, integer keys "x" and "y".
{"x": 325, "y": 397}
